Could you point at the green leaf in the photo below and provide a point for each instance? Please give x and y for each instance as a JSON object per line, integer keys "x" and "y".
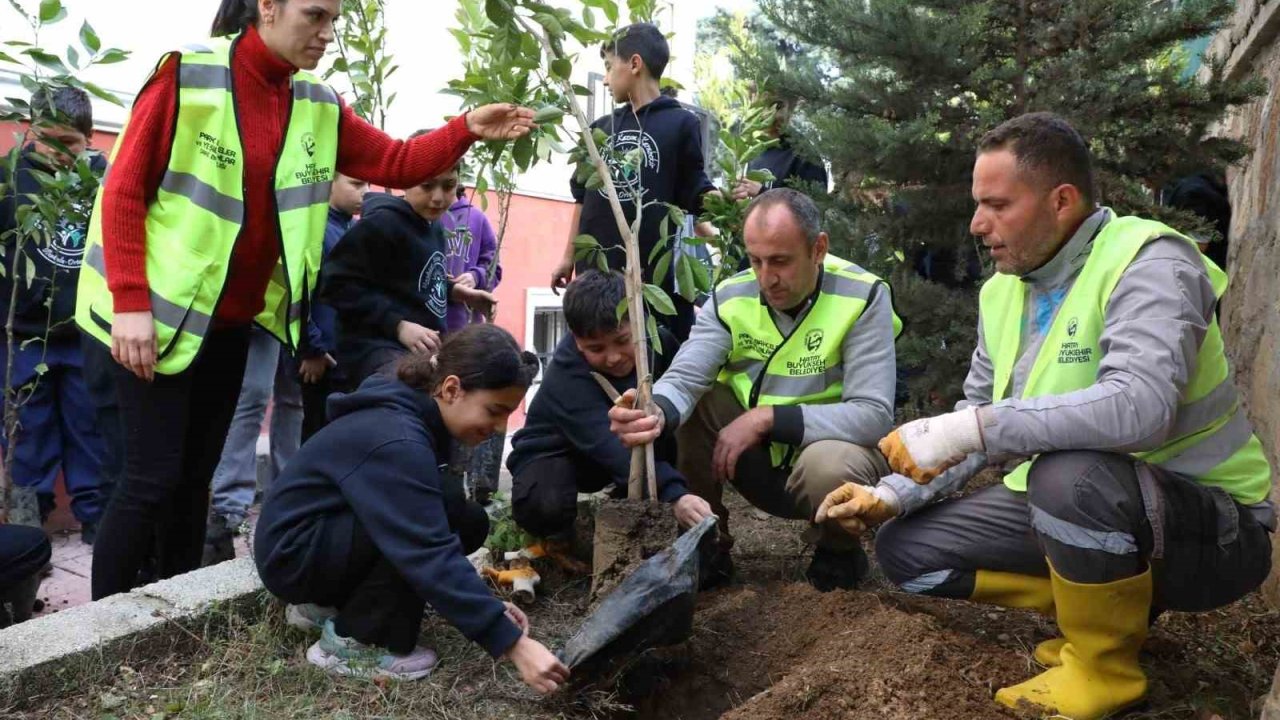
{"x": 73, "y": 57}
{"x": 498, "y": 11}
{"x": 103, "y": 94}
{"x": 900, "y": 256}
{"x": 547, "y": 114}
{"x": 621, "y": 311}
{"x": 522, "y": 152}
{"x": 89, "y": 38}
{"x": 51, "y": 11}
{"x": 583, "y": 242}
{"x": 602, "y": 262}
{"x": 595, "y": 182}
{"x": 659, "y": 300}
{"x": 684, "y": 275}
{"x": 562, "y": 68}
{"x": 49, "y": 60}
{"x": 701, "y": 277}
{"x": 663, "y": 267}
{"x": 651, "y": 326}
{"x": 41, "y": 368}
{"x": 114, "y": 55}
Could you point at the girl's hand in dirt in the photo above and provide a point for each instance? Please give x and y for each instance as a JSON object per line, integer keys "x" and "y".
{"x": 634, "y": 427}
{"x": 517, "y": 616}
{"x": 691, "y": 510}
{"x": 539, "y": 668}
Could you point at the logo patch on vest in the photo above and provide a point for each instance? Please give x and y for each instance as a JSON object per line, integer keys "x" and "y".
{"x": 214, "y": 151}
{"x": 813, "y": 340}
{"x": 309, "y": 144}
{"x": 1072, "y": 326}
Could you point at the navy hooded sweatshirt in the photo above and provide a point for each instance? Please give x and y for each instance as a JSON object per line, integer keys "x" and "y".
{"x": 388, "y": 267}
{"x": 672, "y": 171}
{"x": 378, "y": 459}
{"x": 570, "y": 414}
{"x": 48, "y": 300}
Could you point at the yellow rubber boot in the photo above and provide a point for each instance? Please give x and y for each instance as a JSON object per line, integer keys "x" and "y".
{"x": 1012, "y": 590}
{"x": 1020, "y": 591}
{"x": 1105, "y": 626}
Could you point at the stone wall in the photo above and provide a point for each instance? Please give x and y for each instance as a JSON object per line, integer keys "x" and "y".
{"x": 1251, "y": 309}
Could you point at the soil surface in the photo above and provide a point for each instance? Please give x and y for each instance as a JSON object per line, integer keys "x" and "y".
{"x": 767, "y": 646}
{"x": 626, "y": 534}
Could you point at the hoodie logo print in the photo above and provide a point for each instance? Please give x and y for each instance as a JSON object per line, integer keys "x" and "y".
{"x": 627, "y": 176}
{"x": 433, "y": 284}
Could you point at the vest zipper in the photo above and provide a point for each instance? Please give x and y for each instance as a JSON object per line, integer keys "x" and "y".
{"x": 759, "y": 381}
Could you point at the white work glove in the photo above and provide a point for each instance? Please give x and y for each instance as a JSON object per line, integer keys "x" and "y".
{"x": 924, "y": 449}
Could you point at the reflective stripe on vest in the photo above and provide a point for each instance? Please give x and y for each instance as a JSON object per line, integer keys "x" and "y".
{"x": 806, "y": 366}
{"x": 193, "y": 223}
{"x": 1210, "y": 439}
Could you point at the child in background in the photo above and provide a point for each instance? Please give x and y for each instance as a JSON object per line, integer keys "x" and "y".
{"x": 387, "y": 282}
{"x": 671, "y": 167}
{"x": 361, "y": 532}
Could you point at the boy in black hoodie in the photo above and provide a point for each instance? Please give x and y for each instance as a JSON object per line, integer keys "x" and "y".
{"x": 58, "y": 421}
{"x": 387, "y": 281}
{"x": 361, "y": 532}
{"x": 565, "y": 446}
{"x": 671, "y": 169}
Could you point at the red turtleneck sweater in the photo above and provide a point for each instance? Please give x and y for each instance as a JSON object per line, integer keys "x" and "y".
{"x": 263, "y": 95}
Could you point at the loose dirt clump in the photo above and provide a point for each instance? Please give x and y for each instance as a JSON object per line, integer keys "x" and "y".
{"x": 627, "y": 532}
{"x": 788, "y": 651}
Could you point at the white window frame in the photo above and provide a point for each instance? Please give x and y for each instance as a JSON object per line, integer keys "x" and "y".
{"x": 536, "y": 299}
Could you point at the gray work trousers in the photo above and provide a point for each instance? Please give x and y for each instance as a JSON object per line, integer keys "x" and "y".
{"x": 790, "y": 492}
{"x": 1097, "y": 517}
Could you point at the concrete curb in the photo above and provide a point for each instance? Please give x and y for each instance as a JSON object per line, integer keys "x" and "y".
{"x": 75, "y": 647}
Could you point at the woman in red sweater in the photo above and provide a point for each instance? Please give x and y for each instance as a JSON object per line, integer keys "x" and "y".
{"x": 175, "y": 424}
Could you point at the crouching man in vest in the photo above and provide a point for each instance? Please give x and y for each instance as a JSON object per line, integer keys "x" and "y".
{"x": 785, "y": 384}
{"x": 1100, "y": 359}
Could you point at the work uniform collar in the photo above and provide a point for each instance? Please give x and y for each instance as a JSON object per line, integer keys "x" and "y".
{"x": 798, "y": 311}
{"x": 1073, "y": 254}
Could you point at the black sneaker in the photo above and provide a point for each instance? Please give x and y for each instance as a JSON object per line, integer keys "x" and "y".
{"x": 831, "y": 570}
{"x": 219, "y": 542}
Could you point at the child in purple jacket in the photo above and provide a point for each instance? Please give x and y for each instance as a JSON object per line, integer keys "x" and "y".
{"x": 470, "y": 258}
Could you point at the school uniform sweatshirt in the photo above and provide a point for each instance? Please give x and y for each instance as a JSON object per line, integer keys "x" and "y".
{"x": 570, "y": 415}
{"x": 379, "y": 459}
{"x": 389, "y": 267}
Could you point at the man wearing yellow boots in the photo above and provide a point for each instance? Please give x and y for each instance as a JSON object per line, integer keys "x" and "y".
{"x": 1100, "y": 359}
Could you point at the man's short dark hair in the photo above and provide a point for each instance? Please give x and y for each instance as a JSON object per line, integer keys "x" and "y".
{"x": 802, "y": 208}
{"x": 645, "y": 40}
{"x": 591, "y": 303}
{"x": 68, "y": 106}
{"x": 1047, "y": 147}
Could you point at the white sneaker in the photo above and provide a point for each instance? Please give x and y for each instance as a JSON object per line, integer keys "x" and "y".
{"x": 339, "y": 655}
{"x": 309, "y": 617}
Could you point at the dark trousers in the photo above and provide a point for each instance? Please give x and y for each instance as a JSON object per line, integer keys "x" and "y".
{"x": 23, "y": 551}
{"x": 1097, "y": 517}
{"x": 57, "y": 431}
{"x": 345, "y": 569}
{"x": 544, "y": 494}
{"x": 174, "y": 430}
{"x": 315, "y": 397}
{"x": 99, "y": 380}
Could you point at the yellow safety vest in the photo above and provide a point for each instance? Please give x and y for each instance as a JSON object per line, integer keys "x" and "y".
{"x": 1211, "y": 439}
{"x": 193, "y": 223}
{"x": 806, "y": 366}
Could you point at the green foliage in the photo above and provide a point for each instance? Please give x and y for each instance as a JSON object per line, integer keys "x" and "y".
{"x": 896, "y": 93}
{"x": 364, "y": 58}
{"x": 504, "y": 535}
